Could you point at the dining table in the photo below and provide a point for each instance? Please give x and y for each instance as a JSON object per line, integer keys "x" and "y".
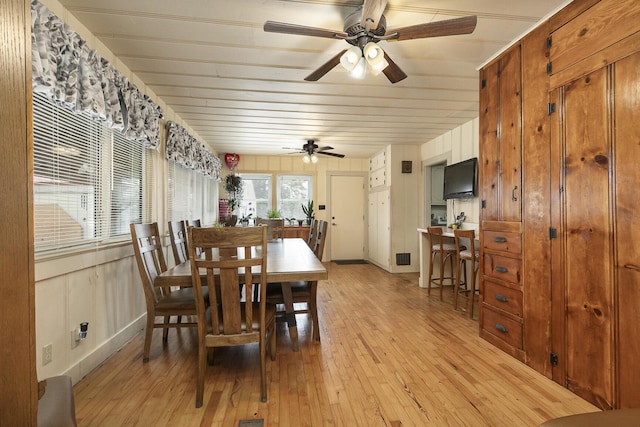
{"x": 288, "y": 260}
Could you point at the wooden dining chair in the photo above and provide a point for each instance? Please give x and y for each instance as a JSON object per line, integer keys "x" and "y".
{"x": 313, "y": 226}
{"x": 464, "y": 255}
{"x": 178, "y": 239}
{"x": 161, "y": 302}
{"x": 194, "y": 223}
{"x": 275, "y": 227}
{"x": 302, "y": 292}
{"x": 230, "y": 258}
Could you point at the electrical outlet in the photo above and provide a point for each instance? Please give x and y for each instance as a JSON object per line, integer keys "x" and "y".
{"x": 47, "y": 354}
{"x": 74, "y": 339}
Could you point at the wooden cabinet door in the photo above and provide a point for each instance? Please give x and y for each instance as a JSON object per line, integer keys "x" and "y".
{"x": 627, "y": 179}
{"x": 501, "y": 138}
{"x": 510, "y": 136}
{"x": 587, "y": 234}
{"x": 489, "y": 165}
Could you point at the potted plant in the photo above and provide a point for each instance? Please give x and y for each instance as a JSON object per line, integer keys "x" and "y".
{"x": 245, "y": 219}
{"x": 248, "y": 214}
{"x": 308, "y": 211}
{"x": 234, "y": 189}
{"x": 273, "y": 213}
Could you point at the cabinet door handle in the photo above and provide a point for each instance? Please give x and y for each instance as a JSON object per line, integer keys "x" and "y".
{"x": 501, "y": 298}
{"x": 501, "y": 328}
{"x": 632, "y": 267}
{"x": 501, "y": 269}
{"x": 513, "y": 194}
{"x": 500, "y": 240}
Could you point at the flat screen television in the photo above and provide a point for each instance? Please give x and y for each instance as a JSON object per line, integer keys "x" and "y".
{"x": 460, "y": 179}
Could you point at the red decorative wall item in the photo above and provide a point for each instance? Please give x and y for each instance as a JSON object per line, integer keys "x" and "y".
{"x": 231, "y": 160}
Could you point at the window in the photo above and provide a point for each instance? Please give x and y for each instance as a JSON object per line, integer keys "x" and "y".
{"x": 256, "y": 197}
{"x": 293, "y": 192}
{"x": 191, "y": 195}
{"x": 89, "y": 182}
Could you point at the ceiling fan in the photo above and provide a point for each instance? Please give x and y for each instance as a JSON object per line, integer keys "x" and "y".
{"x": 310, "y": 149}
{"x": 363, "y": 29}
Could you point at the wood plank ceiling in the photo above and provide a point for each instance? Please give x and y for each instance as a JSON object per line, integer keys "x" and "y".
{"x": 242, "y": 90}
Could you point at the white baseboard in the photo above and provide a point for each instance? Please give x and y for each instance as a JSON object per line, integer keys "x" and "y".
{"x": 103, "y": 352}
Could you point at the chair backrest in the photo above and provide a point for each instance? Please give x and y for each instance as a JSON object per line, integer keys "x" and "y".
{"x": 237, "y": 255}
{"x": 148, "y": 250}
{"x": 275, "y": 227}
{"x": 321, "y": 236}
{"x": 469, "y": 235}
{"x": 313, "y": 228}
{"x": 435, "y": 237}
{"x": 178, "y": 237}
{"x": 194, "y": 223}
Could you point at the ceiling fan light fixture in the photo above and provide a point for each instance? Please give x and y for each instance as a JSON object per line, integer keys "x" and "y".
{"x": 349, "y": 60}
{"x": 314, "y": 158}
{"x": 360, "y": 70}
{"x": 306, "y": 158}
{"x": 375, "y": 57}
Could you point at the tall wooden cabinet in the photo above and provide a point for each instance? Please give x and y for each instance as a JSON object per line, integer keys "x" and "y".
{"x": 561, "y": 282}
{"x": 500, "y": 174}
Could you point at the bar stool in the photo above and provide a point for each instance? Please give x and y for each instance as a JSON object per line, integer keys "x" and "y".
{"x": 462, "y": 256}
{"x": 445, "y": 251}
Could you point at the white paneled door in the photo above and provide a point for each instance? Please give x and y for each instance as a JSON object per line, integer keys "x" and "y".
{"x": 346, "y": 217}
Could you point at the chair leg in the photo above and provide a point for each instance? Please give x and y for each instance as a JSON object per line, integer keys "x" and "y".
{"x": 272, "y": 341}
{"x": 148, "y": 333}
{"x": 263, "y": 369}
{"x": 313, "y": 308}
{"x": 456, "y": 286}
{"x": 443, "y": 261}
{"x": 472, "y": 291}
{"x": 165, "y": 328}
{"x": 433, "y": 259}
{"x": 202, "y": 366}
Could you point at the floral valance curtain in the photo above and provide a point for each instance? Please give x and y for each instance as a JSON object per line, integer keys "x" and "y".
{"x": 74, "y": 76}
{"x": 188, "y": 152}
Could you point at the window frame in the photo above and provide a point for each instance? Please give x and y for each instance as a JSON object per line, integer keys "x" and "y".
{"x": 244, "y": 209}
{"x": 309, "y": 178}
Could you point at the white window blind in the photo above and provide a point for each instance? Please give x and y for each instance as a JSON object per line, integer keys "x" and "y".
{"x": 89, "y": 182}
{"x": 191, "y": 195}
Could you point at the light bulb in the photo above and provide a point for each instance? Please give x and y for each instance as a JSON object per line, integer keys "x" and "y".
{"x": 314, "y": 159}
{"x": 375, "y": 57}
{"x": 350, "y": 58}
{"x": 306, "y": 158}
{"x": 360, "y": 70}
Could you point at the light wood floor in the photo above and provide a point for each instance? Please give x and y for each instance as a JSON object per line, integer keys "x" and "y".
{"x": 390, "y": 356}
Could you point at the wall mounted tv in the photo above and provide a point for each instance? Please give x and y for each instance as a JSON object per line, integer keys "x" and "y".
{"x": 460, "y": 179}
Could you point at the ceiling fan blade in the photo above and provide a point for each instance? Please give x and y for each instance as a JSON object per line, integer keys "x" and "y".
{"x": 301, "y": 30}
{"x": 325, "y": 68}
{"x": 372, "y": 10}
{"x": 326, "y": 147}
{"x": 392, "y": 71}
{"x": 330, "y": 154}
{"x": 448, "y": 27}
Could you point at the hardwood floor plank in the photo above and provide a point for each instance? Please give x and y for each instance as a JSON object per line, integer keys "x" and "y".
{"x": 390, "y": 356}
